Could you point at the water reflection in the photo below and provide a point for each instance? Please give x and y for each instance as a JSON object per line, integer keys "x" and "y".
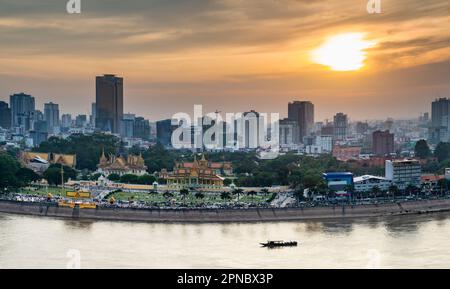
{"x": 406, "y": 242}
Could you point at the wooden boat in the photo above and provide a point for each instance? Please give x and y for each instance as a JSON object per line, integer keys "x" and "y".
{"x": 275, "y": 244}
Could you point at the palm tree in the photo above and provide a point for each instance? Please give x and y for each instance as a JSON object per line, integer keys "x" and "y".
{"x": 252, "y": 194}
{"x": 168, "y": 195}
{"x": 393, "y": 189}
{"x": 411, "y": 189}
{"x": 184, "y": 193}
{"x": 199, "y": 195}
{"x": 238, "y": 192}
{"x": 265, "y": 192}
{"x": 299, "y": 196}
{"x": 375, "y": 191}
{"x": 225, "y": 196}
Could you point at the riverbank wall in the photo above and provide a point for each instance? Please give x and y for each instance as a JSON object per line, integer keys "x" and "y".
{"x": 226, "y": 215}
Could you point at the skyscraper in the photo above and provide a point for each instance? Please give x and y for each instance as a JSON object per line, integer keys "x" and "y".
{"x": 93, "y": 114}
{"x": 109, "y": 103}
{"x": 383, "y": 143}
{"x": 340, "y": 124}
{"x": 303, "y": 113}
{"x": 141, "y": 128}
{"x": 127, "y": 125}
{"x": 5, "y": 115}
{"x": 66, "y": 121}
{"x": 164, "y": 131}
{"x": 22, "y": 111}
{"x": 51, "y": 116}
{"x": 440, "y": 108}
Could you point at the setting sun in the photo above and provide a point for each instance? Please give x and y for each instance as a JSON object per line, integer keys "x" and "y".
{"x": 343, "y": 52}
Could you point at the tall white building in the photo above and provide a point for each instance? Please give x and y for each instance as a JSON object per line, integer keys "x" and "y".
{"x": 403, "y": 172}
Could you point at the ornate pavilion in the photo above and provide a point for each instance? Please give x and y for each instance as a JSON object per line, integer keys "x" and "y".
{"x": 199, "y": 174}
{"x": 134, "y": 165}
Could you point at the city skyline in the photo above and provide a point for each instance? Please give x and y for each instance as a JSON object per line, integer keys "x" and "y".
{"x": 228, "y": 55}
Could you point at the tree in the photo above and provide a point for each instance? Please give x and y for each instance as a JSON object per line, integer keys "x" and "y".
{"x": 199, "y": 196}
{"x": 88, "y": 148}
{"x": 26, "y": 176}
{"x": 393, "y": 189}
{"x": 422, "y": 150}
{"x": 442, "y": 151}
{"x": 129, "y": 179}
{"x": 375, "y": 191}
{"x": 299, "y": 195}
{"x": 114, "y": 178}
{"x": 411, "y": 189}
{"x": 8, "y": 169}
{"x": 168, "y": 195}
{"x": 227, "y": 182}
{"x": 53, "y": 174}
{"x": 252, "y": 194}
{"x": 225, "y": 196}
{"x": 184, "y": 193}
{"x": 265, "y": 192}
{"x": 146, "y": 179}
{"x": 238, "y": 192}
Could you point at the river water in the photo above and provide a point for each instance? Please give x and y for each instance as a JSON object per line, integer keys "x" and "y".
{"x": 399, "y": 242}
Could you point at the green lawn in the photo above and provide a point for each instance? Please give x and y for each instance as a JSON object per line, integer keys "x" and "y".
{"x": 55, "y": 191}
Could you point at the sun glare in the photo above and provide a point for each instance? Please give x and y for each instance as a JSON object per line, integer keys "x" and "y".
{"x": 343, "y": 52}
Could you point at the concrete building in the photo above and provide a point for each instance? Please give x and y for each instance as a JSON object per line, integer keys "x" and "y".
{"x": 127, "y": 125}
{"x": 440, "y": 108}
{"x": 383, "y": 143}
{"x": 325, "y": 143}
{"x": 109, "y": 103}
{"x": 5, "y": 115}
{"x": 164, "y": 131}
{"x": 403, "y": 172}
{"x": 141, "y": 128}
{"x": 66, "y": 121}
{"x": 340, "y": 124}
{"x": 288, "y": 134}
{"x": 81, "y": 121}
{"x": 303, "y": 113}
{"x": 22, "y": 112}
{"x": 367, "y": 182}
{"x": 51, "y": 116}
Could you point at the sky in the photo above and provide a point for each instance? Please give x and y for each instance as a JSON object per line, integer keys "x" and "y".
{"x": 230, "y": 55}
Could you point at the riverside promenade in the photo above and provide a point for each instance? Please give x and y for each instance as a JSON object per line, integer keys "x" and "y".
{"x": 198, "y": 215}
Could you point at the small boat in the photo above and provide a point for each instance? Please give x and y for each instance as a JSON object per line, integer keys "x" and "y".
{"x": 275, "y": 244}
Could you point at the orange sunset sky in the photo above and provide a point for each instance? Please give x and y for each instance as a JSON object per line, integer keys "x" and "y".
{"x": 231, "y": 55}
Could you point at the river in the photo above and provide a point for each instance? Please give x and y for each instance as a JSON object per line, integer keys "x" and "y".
{"x": 399, "y": 242}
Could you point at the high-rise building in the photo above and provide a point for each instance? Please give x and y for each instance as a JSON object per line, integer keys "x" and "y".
{"x": 340, "y": 123}
{"x": 303, "y": 113}
{"x": 51, "y": 116}
{"x": 22, "y": 112}
{"x": 81, "y": 120}
{"x": 440, "y": 108}
{"x": 5, "y": 115}
{"x": 127, "y": 125}
{"x": 141, "y": 128}
{"x": 93, "y": 114}
{"x": 109, "y": 103}
{"x": 288, "y": 133}
{"x": 66, "y": 120}
{"x": 164, "y": 131}
{"x": 250, "y": 131}
{"x": 362, "y": 127}
{"x": 383, "y": 143}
